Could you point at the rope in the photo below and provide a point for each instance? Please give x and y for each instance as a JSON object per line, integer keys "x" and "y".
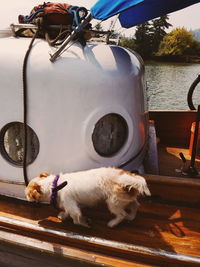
{"x": 191, "y": 91}
{"x": 25, "y": 106}
{"x": 57, "y": 40}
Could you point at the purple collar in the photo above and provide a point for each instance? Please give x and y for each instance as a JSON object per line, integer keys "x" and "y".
{"x": 55, "y": 189}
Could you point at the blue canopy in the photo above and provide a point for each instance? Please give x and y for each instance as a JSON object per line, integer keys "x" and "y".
{"x": 137, "y": 12}
{"x": 104, "y": 9}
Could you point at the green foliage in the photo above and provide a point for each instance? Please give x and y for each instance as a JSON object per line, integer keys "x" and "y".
{"x": 151, "y": 39}
{"x": 178, "y": 42}
{"x": 114, "y": 35}
{"x": 149, "y": 35}
{"x": 128, "y": 43}
{"x": 98, "y": 27}
{"x": 195, "y": 49}
{"x": 143, "y": 39}
{"x": 157, "y": 31}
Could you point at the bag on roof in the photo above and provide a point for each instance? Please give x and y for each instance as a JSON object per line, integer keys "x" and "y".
{"x": 52, "y": 13}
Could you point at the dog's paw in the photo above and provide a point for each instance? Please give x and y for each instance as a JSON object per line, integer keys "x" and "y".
{"x": 112, "y": 223}
{"x": 130, "y": 217}
{"x": 86, "y": 222}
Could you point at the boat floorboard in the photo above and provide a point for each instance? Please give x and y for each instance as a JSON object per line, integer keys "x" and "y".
{"x": 161, "y": 231}
{"x": 170, "y": 162}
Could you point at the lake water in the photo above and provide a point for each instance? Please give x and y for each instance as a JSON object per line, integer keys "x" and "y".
{"x": 168, "y": 85}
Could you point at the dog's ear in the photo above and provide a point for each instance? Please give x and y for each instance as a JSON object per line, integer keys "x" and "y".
{"x": 33, "y": 192}
{"x": 43, "y": 175}
{"x": 145, "y": 190}
{"x": 129, "y": 189}
{"x": 142, "y": 187}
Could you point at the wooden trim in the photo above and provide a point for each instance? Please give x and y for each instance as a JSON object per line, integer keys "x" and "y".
{"x": 173, "y": 127}
{"x": 173, "y": 111}
{"x": 158, "y": 179}
{"x": 11, "y": 182}
{"x": 182, "y": 191}
{"x": 110, "y": 247}
{"x": 68, "y": 253}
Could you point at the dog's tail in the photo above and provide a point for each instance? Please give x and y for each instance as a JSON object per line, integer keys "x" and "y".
{"x": 132, "y": 181}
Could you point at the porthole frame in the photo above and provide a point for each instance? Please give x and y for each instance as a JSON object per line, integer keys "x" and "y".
{"x": 3, "y": 151}
{"x": 88, "y": 128}
{"x": 110, "y": 154}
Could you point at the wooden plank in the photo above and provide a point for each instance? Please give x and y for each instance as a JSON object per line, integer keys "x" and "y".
{"x": 182, "y": 190}
{"x": 11, "y": 255}
{"x": 167, "y": 180}
{"x": 161, "y": 232}
{"x": 131, "y": 252}
{"x": 31, "y": 252}
{"x": 11, "y": 182}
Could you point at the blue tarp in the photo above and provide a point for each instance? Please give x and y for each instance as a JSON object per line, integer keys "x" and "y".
{"x": 104, "y": 9}
{"x": 137, "y": 12}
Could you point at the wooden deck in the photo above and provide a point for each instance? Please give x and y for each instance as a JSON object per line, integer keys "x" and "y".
{"x": 170, "y": 163}
{"x": 164, "y": 230}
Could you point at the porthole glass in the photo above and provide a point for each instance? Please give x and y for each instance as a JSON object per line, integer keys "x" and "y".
{"x": 12, "y": 140}
{"x": 110, "y": 134}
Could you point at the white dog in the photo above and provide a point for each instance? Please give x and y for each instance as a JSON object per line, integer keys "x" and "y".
{"x": 118, "y": 188}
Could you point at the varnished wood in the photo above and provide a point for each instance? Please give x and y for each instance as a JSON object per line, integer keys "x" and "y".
{"x": 167, "y": 232}
{"x": 28, "y": 253}
{"x": 173, "y": 127}
{"x": 179, "y": 189}
{"x": 11, "y": 182}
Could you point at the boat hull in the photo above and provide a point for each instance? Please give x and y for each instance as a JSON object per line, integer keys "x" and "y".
{"x": 86, "y": 110}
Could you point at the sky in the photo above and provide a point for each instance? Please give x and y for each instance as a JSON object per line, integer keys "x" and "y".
{"x": 188, "y": 17}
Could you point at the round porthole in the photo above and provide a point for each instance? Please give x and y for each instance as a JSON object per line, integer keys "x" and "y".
{"x": 110, "y": 134}
{"x": 12, "y": 140}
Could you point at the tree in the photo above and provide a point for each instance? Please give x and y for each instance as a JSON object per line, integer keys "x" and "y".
{"x": 113, "y": 33}
{"x": 143, "y": 40}
{"x": 149, "y": 35}
{"x": 178, "y": 42}
{"x": 128, "y": 43}
{"x": 98, "y": 27}
{"x": 158, "y": 31}
{"x": 195, "y": 48}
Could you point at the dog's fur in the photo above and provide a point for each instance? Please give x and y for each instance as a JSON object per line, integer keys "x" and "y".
{"x": 118, "y": 188}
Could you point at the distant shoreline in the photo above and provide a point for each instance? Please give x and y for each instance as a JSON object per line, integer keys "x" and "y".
{"x": 175, "y": 59}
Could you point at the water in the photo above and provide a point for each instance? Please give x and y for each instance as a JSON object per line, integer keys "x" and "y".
{"x": 168, "y": 85}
